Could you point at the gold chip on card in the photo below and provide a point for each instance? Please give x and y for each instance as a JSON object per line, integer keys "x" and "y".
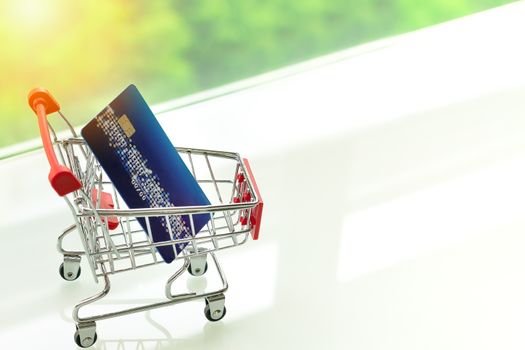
{"x": 126, "y": 125}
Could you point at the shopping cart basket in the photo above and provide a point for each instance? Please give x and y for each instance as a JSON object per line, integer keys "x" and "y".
{"x": 112, "y": 239}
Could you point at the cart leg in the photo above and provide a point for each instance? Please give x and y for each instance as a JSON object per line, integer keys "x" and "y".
{"x": 186, "y": 266}
{"x": 215, "y": 309}
{"x": 76, "y": 310}
{"x": 70, "y": 268}
{"x": 86, "y": 334}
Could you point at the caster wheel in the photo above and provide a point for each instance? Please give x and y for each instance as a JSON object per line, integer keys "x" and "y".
{"x": 70, "y": 276}
{"x": 86, "y": 342}
{"x": 217, "y": 314}
{"x": 198, "y": 271}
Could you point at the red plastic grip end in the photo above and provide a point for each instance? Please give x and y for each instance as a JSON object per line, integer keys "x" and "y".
{"x": 42, "y": 96}
{"x": 243, "y": 220}
{"x": 106, "y": 202}
{"x": 63, "y": 180}
{"x": 246, "y": 197}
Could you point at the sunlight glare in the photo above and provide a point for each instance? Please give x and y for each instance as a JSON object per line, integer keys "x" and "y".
{"x": 29, "y": 14}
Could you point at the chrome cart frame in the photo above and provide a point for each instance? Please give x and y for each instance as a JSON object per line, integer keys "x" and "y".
{"x": 114, "y": 242}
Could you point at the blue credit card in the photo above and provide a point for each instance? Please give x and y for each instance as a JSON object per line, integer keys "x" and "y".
{"x": 145, "y": 168}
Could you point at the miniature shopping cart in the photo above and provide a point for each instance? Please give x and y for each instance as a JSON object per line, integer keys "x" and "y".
{"x": 113, "y": 241}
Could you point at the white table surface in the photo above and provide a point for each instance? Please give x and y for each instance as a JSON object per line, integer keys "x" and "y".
{"x": 394, "y": 182}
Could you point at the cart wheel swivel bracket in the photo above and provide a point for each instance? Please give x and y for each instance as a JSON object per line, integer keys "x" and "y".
{"x": 215, "y": 309}
{"x": 70, "y": 268}
{"x": 86, "y": 334}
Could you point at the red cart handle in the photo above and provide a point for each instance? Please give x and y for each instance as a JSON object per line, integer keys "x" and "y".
{"x": 256, "y": 215}
{"x": 61, "y": 178}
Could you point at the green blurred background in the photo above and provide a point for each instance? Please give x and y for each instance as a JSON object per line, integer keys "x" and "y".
{"x": 86, "y": 52}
